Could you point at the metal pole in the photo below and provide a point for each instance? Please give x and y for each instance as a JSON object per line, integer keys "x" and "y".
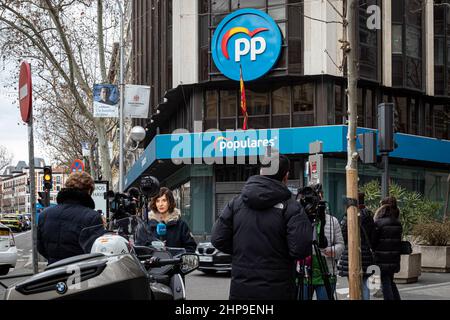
{"x": 122, "y": 93}
{"x": 32, "y": 193}
{"x": 385, "y": 177}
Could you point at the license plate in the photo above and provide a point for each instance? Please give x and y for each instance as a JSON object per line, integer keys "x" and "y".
{"x": 4, "y": 233}
{"x": 205, "y": 259}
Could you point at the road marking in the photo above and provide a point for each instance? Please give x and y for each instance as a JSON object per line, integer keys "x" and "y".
{"x": 21, "y": 234}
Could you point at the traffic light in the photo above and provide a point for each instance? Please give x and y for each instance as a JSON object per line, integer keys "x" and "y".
{"x": 43, "y": 197}
{"x": 48, "y": 178}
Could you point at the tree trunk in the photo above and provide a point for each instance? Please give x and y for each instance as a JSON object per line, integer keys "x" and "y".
{"x": 103, "y": 147}
{"x": 352, "y": 156}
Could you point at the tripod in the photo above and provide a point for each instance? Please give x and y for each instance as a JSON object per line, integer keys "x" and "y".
{"x": 302, "y": 272}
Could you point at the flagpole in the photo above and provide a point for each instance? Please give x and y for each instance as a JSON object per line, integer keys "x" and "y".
{"x": 243, "y": 99}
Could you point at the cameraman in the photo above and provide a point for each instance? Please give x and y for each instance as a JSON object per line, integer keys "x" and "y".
{"x": 265, "y": 230}
{"x": 330, "y": 242}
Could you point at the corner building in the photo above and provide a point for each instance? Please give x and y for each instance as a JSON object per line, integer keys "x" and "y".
{"x": 300, "y": 100}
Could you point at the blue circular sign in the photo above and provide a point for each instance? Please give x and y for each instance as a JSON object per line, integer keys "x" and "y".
{"x": 247, "y": 38}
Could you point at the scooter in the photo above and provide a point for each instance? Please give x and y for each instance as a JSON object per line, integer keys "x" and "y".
{"x": 115, "y": 269}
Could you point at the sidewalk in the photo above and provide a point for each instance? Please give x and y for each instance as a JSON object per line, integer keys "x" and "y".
{"x": 431, "y": 286}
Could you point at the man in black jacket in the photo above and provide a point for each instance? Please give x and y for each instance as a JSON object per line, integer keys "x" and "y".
{"x": 265, "y": 230}
{"x": 60, "y": 227}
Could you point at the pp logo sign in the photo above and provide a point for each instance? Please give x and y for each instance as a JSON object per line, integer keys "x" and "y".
{"x": 247, "y": 38}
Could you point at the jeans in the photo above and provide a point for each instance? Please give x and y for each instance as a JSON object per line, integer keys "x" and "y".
{"x": 365, "y": 288}
{"x": 321, "y": 292}
{"x": 390, "y": 291}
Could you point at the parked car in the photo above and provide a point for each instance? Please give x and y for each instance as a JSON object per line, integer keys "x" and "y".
{"x": 8, "y": 250}
{"x": 211, "y": 259}
{"x": 14, "y": 222}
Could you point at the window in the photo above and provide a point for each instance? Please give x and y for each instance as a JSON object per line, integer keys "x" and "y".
{"x": 258, "y": 109}
{"x": 368, "y": 43}
{"x": 228, "y": 106}
{"x": 211, "y": 106}
{"x": 400, "y": 114}
{"x": 303, "y": 105}
{"x": 339, "y": 104}
{"x": 441, "y": 50}
{"x": 281, "y": 108}
{"x": 407, "y": 43}
{"x": 441, "y": 121}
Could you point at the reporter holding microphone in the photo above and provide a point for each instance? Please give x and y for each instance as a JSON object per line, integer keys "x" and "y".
{"x": 165, "y": 224}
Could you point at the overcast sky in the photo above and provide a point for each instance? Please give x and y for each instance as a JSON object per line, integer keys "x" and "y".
{"x": 13, "y": 133}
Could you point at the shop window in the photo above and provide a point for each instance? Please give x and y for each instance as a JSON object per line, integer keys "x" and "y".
{"x": 303, "y": 105}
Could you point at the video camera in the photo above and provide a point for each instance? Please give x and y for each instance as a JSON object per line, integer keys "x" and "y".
{"x": 311, "y": 199}
{"x": 123, "y": 205}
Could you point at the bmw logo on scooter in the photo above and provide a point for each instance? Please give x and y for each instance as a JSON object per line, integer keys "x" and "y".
{"x": 61, "y": 287}
{"x": 247, "y": 38}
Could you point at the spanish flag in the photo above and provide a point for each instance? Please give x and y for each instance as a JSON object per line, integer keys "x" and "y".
{"x": 243, "y": 102}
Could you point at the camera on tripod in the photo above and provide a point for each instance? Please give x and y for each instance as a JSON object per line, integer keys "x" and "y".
{"x": 123, "y": 205}
{"x": 310, "y": 198}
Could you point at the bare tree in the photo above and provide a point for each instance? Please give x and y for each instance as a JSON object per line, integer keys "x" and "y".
{"x": 64, "y": 40}
{"x": 5, "y": 158}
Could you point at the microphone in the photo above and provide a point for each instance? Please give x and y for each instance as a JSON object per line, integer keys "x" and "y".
{"x": 161, "y": 231}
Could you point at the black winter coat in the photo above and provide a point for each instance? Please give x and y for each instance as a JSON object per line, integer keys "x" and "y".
{"x": 265, "y": 231}
{"x": 59, "y": 227}
{"x": 388, "y": 239}
{"x": 367, "y": 233}
{"x": 178, "y": 234}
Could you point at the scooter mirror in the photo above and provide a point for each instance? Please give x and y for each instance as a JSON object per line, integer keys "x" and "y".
{"x": 189, "y": 263}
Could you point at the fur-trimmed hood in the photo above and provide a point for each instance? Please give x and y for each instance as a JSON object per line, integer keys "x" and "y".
{"x": 75, "y": 196}
{"x": 174, "y": 216}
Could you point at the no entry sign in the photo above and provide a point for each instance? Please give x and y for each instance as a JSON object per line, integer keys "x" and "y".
{"x": 25, "y": 91}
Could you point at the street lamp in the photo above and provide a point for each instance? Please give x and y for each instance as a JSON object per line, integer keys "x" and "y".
{"x": 122, "y": 93}
{"x": 138, "y": 134}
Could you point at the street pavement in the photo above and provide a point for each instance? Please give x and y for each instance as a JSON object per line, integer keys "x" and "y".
{"x": 199, "y": 286}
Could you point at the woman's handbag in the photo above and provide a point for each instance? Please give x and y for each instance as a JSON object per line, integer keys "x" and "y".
{"x": 406, "y": 247}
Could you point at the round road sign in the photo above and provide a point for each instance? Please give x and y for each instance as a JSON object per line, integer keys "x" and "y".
{"x": 25, "y": 91}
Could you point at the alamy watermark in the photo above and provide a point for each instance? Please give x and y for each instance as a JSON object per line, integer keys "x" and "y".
{"x": 374, "y": 19}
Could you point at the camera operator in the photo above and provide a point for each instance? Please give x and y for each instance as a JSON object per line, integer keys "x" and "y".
{"x": 265, "y": 230}
{"x": 330, "y": 242}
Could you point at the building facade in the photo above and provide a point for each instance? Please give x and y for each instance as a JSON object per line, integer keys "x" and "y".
{"x": 15, "y": 195}
{"x": 302, "y": 99}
